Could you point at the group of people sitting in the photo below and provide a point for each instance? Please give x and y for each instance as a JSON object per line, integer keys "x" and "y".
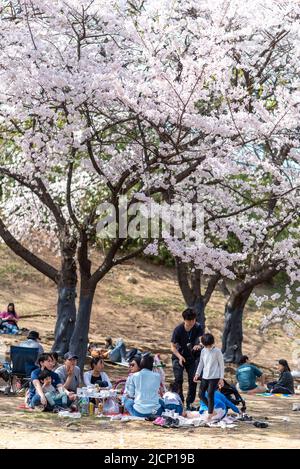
{"x": 56, "y": 386}
{"x": 141, "y": 395}
{"x": 53, "y": 387}
{"x": 247, "y": 374}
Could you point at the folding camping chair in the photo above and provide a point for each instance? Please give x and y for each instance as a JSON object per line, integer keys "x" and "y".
{"x": 22, "y": 363}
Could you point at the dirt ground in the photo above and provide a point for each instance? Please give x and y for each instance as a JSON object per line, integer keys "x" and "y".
{"x": 142, "y": 304}
{"x": 21, "y": 429}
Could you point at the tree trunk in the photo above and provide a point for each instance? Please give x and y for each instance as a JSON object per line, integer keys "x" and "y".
{"x": 79, "y": 339}
{"x": 66, "y": 317}
{"x": 66, "y": 304}
{"x": 199, "y": 307}
{"x": 233, "y": 325}
{"x": 191, "y": 290}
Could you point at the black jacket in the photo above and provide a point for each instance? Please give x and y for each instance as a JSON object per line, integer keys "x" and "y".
{"x": 286, "y": 380}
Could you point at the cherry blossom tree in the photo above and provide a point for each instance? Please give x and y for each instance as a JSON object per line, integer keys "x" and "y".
{"x": 263, "y": 106}
{"x": 259, "y": 243}
{"x": 94, "y": 104}
{"x": 104, "y": 99}
{"x": 286, "y": 313}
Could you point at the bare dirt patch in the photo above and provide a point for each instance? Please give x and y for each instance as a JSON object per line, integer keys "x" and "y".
{"x": 21, "y": 429}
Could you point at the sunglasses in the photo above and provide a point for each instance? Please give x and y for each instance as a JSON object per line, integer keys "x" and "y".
{"x": 131, "y": 364}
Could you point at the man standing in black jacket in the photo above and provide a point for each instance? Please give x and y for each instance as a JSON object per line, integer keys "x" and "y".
{"x": 185, "y": 353}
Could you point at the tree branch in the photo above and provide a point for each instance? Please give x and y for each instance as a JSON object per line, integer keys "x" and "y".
{"x": 42, "y": 194}
{"x": 138, "y": 251}
{"x": 211, "y": 287}
{"x": 27, "y": 255}
{"x": 107, "y": 264}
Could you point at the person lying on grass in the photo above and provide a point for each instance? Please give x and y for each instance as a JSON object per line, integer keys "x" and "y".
{"x": 115, "y": 353}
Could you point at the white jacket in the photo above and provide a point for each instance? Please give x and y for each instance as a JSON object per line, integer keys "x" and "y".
{"x": 87, "y": 376}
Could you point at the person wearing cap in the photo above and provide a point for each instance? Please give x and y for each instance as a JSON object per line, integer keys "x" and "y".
{"x": 32, "y": 341}
{"x": 69, "y": 372}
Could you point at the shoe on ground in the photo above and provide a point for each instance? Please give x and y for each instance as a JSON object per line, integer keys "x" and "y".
{"x": 174, "y": 423}
{"x": 260, "y": 424}
{"x": 171, "y": 422}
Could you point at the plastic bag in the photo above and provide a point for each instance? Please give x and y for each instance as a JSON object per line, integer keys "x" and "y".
{"x": 84, "y": 405}
{"x": 111, "y": 406}
{"x": 158, "y": 367}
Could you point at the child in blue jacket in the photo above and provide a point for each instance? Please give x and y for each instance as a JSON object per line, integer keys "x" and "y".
{"x": 221, "y": 406}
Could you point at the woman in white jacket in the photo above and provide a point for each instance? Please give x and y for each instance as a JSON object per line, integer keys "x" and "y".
{"x": 96, "y": 375}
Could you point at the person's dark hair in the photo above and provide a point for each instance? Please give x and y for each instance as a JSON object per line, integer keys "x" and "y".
{"x": 189, "y": 314}
{"x": 285, "y": 364}
{"x": 13, "y": 306}
{"x": 207, "y": 339}
{"x": 43, "y": 357}
{"x": 34, "y": 335}
{"x": 44, "y": 374}
{"x": 108, "y": 341}
{"x": 147, "y": 362}
{"x": 137, "y": 359}
{"x": 95, "y": 361}
{"x": 243, "y": 359}
{"x": 174, "y": 387}
{"x": 55, "y": 356}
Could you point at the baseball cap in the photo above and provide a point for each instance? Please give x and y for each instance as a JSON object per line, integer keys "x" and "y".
{"x": 70, "y": 355}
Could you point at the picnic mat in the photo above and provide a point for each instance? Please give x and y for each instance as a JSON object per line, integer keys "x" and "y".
{"x": 25, "y": 407}
{"x": 267, "y": 394}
